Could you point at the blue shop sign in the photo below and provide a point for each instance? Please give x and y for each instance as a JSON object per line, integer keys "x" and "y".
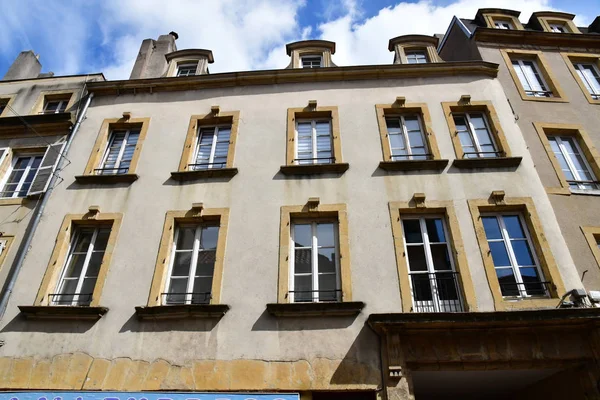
{"x": 144, "y": 396}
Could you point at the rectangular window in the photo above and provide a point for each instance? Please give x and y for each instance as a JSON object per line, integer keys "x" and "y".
{"x": 312, "y": 61}
{"x": 589, "y": 75}
{"x": 516, "y": 264}
{"x": 503, "y": 25}
{"x": 475, "y": 135}
{"x": 573, "y": 163}
{"x": 119, "y": 152}
{"x": 212, "y": 147}
{"x": 558, "y": 28}
{"x": 416, "y": 57}
{"x": 313, "y": 142}
{"x": 187, "y": 69}
{"x": 433, "y": 278}
{"x": 314, "y": 262}
{"x": 190, "y": 275}
{"x": 531, "y": 79}
{"x": 21, "y": 175}
{"x": 55, "y": 106}
{"x": 79, "y": 275}
{"x": 406, "y": 138}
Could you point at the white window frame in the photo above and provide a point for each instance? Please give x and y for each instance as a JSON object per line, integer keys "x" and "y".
{"x": 589, "y": 85}
{"x": 186, "y": 66}
{"x": 116, "y": 169}
{"x": 546, "y": 92}
{"x": 511, "y": 254}
{"x": 314, "y": 272}
{"x": 409, "y": 155}
{"x": 213, "y": 146}
{"x": 567, "y": 156}
{"x": 436, "y": 305}
{"x": 416, "y": 52}
{"x": 503, "y": 24}
{"x": 60, "y": 104}
{"x": 193, "y": 266}
{"x": 315, "y": 151}
{"x": 558, "y": 28}
{"x": 84, "y": 268}
{"x": 15, "y": 158}
{"x": 471, "y": 131}
{"x": 311, "y": 63}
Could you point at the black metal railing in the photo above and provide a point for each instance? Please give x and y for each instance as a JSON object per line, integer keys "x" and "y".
{"x": 308, "y": 296}
{"x": 595, "y": 184}
{"x": 411, "y": 157}
{"x": 107, "y": 171}
{"x": 595, "y": 96}
{"x": 67, "y": 299}
{"x": 539, "y": 93}
{"x": 525, "y": 289}
{"x": 199, "y": 166}
{"x": 483, "y": 154}
{"x": 329, "y": 160}
{"x": 436, "y": 292}
{"x": 177, "y": 298}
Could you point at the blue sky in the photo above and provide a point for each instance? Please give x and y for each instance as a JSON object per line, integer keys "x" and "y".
{"x": 74, "y": 37}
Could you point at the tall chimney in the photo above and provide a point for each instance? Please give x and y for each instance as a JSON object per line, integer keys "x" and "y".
{"x": 25, "y": 66}
{"x": 151, "y": 62}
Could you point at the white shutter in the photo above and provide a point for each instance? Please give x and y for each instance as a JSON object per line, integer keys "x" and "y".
{"x": 47, "y": 167}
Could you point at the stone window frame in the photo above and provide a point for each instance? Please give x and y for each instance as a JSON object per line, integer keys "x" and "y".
{"x": 584, "y": 141}
{"x": 61, "y": 248}
{"x": 297, "y": 54}
{"x": 10, "y": 99}
{"x": 314, "y": 213}
{"x": 6, "y": 165}
{"x": 485, "y": 107}
{"x": 108, "y": 125}
{"x": 38, "y": 106}
{"x": 196, "y": 215}
{"x": 401, "y": 44}
{"x": 558, "y": 96}
{"x": 571, "y": 58}
{"x": 492, "y": 18}
{"x": 546, "y": 20}
{"x": 187, "y": 154}
{"x": 9, "y": 241}
{"x": 434, "y": 207}
{"x": 526, "y": 207}
{"x": 592, "y": 236}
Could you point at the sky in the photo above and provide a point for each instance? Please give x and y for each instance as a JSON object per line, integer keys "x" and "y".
{"x": 78, "y": 37}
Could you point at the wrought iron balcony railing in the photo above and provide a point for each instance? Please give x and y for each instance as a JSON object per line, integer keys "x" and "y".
{"x": 436, "y": 292}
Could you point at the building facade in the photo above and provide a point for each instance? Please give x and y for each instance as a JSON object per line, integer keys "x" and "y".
{"x": 314, "y": 232}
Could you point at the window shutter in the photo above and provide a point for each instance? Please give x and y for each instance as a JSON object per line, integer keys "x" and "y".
{"x": 47, "y": 167}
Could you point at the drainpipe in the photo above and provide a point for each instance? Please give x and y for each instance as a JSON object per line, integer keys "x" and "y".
{"x": 14, "y": 272}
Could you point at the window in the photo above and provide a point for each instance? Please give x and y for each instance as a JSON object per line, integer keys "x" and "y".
{"x": 119, "y": 152}
{"x": 315, "y": 264}
{"x": 529, "y": 76}
{"x": 573, "y": 163}
{"x": 558, "y": 28}
{"x": 190, "y": 275}
{"x": 474, "y": 134}
{"x": 3, "y": 105}
{"x": 592, "y": 236}
{"x": 515, "y": 261}
{"x": 589, "y": 75}
{"x": 500, "y": 24}
{"x": 313, "y": 142}
{"x": 55, "y": 106}
{"x": 187, "y": 69}
{"x": 433, "y": 279}
{"x": 22, "y": 173}
{"x": 311, "y": 61}
{"x": 79, "y": 276}
{"x": 416, "y": 57}
{"x": 406, "y": 138}
{"x": 212, "y": 147}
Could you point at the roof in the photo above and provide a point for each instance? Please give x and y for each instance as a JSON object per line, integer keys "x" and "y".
{"x": 412, "y": 38}
{"x": 191, "y": 53}
{"x": 310, "y": 43}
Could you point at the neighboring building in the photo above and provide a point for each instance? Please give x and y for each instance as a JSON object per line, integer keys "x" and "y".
{"x": 359, "y": 232}
{"x": 550, "y": 71}
{"x": 37, "y": 112}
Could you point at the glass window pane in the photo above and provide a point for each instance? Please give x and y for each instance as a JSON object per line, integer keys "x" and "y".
{"x": 435, "y": 230}
{"x": 325, "y": 235}
{"x": 522, "y": 252}
{"x": 206, "y": 263}
{"x": 513, "y": 226}
{"x": 415, "y": 138}
{"x": 302, "y": 288}
{"x": 179, "y": 287}
{"x": 84, "y": 238}
{"x": 75, "y": 266}
{"x": 185, "y": 238}
{"x": 102, "y": 239}
{"x": 441, "y": 258}
{"x": 397, "y": 142}
{"x": 87, "y": 289}
{"x": 532, "y": 282}
{"x": 393, "y": 125}
{"x": 446, "y": 286}
{"x": 202, "y": 289}
{"x": 499, "y": 254}
{"x": 181, "y": 263}
{"x": 326, "y": 260}
{"x": 507, "y": 281}
{"x": 492, "y": 228}
{"x": 412, "y": 123}
{"x": 327, "y": 287}
{"x": 94, "y": 265}
{"x": 68, "y": 287}
{"x": 302, "y": 235}
{"x": 460, "y": 122}
{"x": 210, "y": 234}
{"x": 322, "y": 128}
{"x": 421, "y": 287}
{"x": 302, "y": 261}
{"x": 412, "y": 231}
{"x": 416, "y": 258}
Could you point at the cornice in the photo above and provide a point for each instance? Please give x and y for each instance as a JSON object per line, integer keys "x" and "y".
{"x": 509, "y": 36}
{"x": 281, "y": 76}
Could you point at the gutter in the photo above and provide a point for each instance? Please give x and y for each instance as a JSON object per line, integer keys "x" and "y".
{"x": 24, "y": 247}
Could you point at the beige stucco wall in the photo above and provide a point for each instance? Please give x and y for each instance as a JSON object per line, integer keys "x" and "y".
{"x": 576, "y": 210}
{"x": 254, "y": 197}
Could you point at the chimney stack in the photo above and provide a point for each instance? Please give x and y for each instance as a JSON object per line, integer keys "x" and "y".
{"x": 151, "y": 61}
{"x": 25, "y": 66}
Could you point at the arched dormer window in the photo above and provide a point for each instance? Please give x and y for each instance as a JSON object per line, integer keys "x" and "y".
{"x": 311, "y": 54}
{"x": 189, "y": 62}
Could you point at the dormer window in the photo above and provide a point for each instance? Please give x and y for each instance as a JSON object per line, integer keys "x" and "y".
{"x": 414, "y": 49}
{"x": 312, "y": 61}
{"x": 498, "y": 18}
{"x": 55, "y": 106}
{"x": 551, "y": 21}
{"x": 500, "y": 24}
{"x": 416, "y": 57}
{"x": 187, "y": 69}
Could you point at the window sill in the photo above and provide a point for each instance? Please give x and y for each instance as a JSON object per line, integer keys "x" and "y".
{"x": 13, "y": 201}
{"x": 414, "y": 165}
{"x": 182, "y": 311}
{"x": 204, "y": 174}
{"x": 314, "y": 169}
{"x": 584, "y": 192}
{"x": 106, "y": 179}
{"x": 544, "y": 99}
{"x": 63, "y": 312}
{"x": 495, "y": 162}
{"x": 333, "y": 309}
